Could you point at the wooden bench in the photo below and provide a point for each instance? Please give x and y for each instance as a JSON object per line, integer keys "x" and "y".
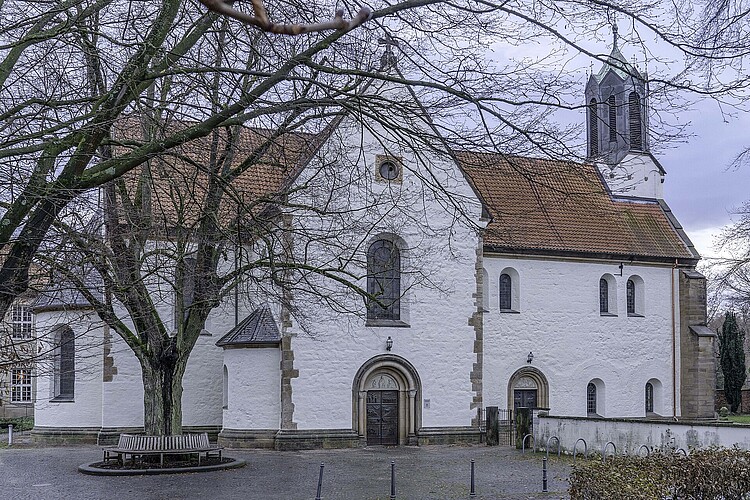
{"x": 139, "y": 446}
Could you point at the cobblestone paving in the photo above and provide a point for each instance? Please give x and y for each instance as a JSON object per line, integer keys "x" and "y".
{"x": 427, "y": 472}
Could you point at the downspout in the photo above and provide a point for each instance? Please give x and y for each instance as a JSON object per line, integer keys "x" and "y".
{"x": 674, "y": 347}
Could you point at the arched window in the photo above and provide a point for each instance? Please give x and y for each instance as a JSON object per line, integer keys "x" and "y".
{"x": 649, "y": 397}
{"x": 65, "y": 364}
{"x": 631, "y": 297}
{"x": 612, "y": 118}
{"x": 603, "y": 296}
{"x": 225, "y": 391}
{"x": 591, "y": 398}
{"x": 485, "y": 291}
{"x": 506, "y": 291}
{"x": 634, "y": 121}
{"x": 593, "y": 129}
{"x": 384, "y": 280}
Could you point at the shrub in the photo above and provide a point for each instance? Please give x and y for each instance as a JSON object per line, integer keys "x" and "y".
{"x": 715, "y": 473}
{"x": 19, "y": 423}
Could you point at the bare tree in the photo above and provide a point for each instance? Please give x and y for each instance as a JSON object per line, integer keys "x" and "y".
{"x": 118, "y": 93}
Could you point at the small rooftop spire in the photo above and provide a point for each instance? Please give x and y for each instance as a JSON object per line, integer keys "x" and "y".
{"x": 388, "y": 59}
{"x": 614, "y": 35}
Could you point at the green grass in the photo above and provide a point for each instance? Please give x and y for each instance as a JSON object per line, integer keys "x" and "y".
{"x": 740, "y": 419}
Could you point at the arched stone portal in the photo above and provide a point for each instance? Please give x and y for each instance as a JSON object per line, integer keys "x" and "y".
{"x": 528, "y": 387}
{"x": 386, "y": 397}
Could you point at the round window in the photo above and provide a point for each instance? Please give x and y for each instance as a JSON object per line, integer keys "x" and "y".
{"x": 389, "y": 170}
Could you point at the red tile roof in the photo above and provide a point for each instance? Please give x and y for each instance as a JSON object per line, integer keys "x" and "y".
{"x": 179, "y": 181}
{"x": 557, "y": 206}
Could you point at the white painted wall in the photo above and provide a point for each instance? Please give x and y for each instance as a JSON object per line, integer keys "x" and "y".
{"x": 635, "y": 175}
{"x": 86, "y": 408}
{"x": 254, "y": 398}
{"x": 629, "y": 435}
{"x": 438, "y": 280}
{"x": 559, "y": 321}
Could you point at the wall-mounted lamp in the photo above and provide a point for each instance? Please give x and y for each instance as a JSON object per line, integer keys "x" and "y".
{"x": 530, "y": 357}
{"x": 388, "y": 343}
{"x": 621, "y": 266}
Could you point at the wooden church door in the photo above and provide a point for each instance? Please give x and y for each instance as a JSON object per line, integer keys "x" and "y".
{"x": 382, "y": 417}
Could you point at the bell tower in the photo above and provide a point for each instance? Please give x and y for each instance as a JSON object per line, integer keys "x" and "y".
{"x": 616, "y": 113}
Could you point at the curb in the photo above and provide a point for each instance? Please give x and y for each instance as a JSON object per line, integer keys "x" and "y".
{"x": 96, "y": 471}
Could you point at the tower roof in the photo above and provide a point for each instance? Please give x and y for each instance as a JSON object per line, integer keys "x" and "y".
{"x": 616, "y": 62}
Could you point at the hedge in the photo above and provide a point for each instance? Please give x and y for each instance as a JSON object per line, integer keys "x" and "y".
{"x": 714, "y": 473}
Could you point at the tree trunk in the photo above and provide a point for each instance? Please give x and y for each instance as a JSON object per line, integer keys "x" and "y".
{"x": 162, "y": 397}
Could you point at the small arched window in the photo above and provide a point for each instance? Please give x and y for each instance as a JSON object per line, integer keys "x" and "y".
{"x": 603, "y": 296}
{"x": 65, "y": 364}
{"x": 591, "y": 398}
{"x": 506, "y": 292}
{"x": 649, "y": 397}
{"x": 612, "y": 118}
{"x": 634, "y": 121}
{"x": 593, "y": 129}
{"x": 384, "y": 281}
{"x": 631, "y": 297}
{"x": 225, "y": 391}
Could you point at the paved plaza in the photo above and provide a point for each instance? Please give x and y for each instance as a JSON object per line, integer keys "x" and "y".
{"x": 426, "y": 472}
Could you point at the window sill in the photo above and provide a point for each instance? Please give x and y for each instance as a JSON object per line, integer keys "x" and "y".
{"x": 22, "y": 403}
{"x": 509, "y": 311}
{"x": 392, "y": 323}
{"x": 62, "y": 399}
{"x": 607, "y": 314}
{"x": 635, "y": 315}
{"x": 594, "y": 415}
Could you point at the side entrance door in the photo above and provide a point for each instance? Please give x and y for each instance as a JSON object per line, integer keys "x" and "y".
{"x": 382, "y": 417}
{"x": 524, "y": 398}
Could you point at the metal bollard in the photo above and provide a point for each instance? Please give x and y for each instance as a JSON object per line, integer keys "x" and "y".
{"x": 10, "y": 434}
{"x": 320, "y": 482}
{"x": 544, "y": 474}
{"x": 393, "y": 481}
{"x": 472, "y": 491}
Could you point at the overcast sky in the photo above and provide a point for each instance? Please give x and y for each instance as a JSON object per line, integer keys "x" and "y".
{"x": 700, "y": 187}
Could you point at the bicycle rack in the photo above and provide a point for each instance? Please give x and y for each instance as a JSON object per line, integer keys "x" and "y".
{"x": 585, "y": 449}
{"x": 523, "y": 443}
{"x": 558, "y": 445}
{"x": 604, "y": 450}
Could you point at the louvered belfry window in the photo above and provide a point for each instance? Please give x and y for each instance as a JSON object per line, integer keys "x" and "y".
{"x": 593, "y": 129}
{"x": 634, "y": 121}
{"x": 612, "y": 118}
{"x": 384, "y": 280}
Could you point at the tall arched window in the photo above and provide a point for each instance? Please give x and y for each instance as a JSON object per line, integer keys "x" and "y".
{"x": 612, "y": 105}
{"x": 65, "y": 364}
{"x": 506, "y": 291}
{"x": 631, "y": 296}
{"x": 225, "y": 389}
{"x": 593, "y": 129}
{"x": 384, "y": 280}
{"x": 603, "y": 296}
{"x": 591, "y": 398}
{"x": 649, "y": 397}
{"x": 634, "y": 121}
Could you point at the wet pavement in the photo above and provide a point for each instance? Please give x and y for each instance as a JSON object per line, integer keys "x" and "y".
{"x": 426, "y": 472}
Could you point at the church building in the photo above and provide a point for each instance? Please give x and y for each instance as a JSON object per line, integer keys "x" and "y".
{"x": 520, "y": 282}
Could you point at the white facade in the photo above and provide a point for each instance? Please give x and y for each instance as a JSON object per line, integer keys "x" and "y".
{"x": 450, "y": 352}
{"x": 558, "y": 319}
